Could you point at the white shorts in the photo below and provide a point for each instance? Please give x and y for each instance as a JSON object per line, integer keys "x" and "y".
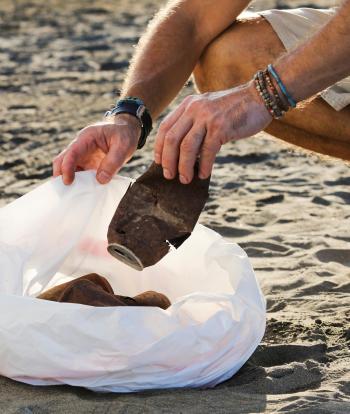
{"x": 296, "y": 25}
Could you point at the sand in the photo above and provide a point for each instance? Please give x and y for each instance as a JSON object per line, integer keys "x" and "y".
{"x": 61, "y": 64}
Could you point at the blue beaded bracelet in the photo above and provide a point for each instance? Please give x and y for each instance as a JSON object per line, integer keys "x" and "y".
{"x": 290, "y": 100}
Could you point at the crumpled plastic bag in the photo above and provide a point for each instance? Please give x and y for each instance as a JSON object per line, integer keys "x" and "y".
{"x": 56, "y": 233}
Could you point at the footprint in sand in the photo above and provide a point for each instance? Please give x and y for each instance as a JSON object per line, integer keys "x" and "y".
{"x": 265, "y": 249}
{"x": 278, "y": 198}
{"x": 251, "y": 158}
{"x": 341, "y": 256}
{"x": 277, "y": 355}
{"x": 339, "y": 181}
{"x": 321, "y": 201}
{"x": 282, "y": 369}
{"x": 230, "y": 231}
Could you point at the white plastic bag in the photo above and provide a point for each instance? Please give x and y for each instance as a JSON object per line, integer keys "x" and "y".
{"x": 56, "y": 233}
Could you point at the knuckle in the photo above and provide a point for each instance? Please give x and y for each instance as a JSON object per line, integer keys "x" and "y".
{"x": 170, "y": 138}
{"x": 198, "y": 136}
{"x": 187, "y": 146}
{"x": 86, "y": 133}
{"x": 57, "y": 159}
{"x": 65, "y": 167}
{"x": 73, "y": 150}
{"x": 193, "y": 106}
{"x": 163, "y": 126}
{"x": 210, "y": 146}
{"x": 207, "y": 109}
{"x": 158, "y": 145}
{"x": 215, "y": 122}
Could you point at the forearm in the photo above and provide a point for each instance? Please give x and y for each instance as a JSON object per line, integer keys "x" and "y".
{"x": 163, "y": 61}
{"x": 172, "y": 45}
{"x": 321, "y": 61}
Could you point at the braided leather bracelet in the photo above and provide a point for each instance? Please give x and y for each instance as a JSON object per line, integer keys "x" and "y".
{"x": 281, "y": 85}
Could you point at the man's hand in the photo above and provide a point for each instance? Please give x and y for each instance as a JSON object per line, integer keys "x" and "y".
{"x": 201, "y": 124}
{"x": 104, "y": 147}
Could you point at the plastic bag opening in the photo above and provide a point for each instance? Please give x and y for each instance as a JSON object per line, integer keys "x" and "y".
{"x": 56, "y": 233}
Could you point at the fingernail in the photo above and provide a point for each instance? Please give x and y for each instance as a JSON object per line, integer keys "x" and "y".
{"x": 103, "y": 177}
{"x": 66, "y": 180}
{"x": 157, "y": 158}
{"x": 202, "y": 176}
{"x": 183, "y": 179}
{"x": 166, "y": 174}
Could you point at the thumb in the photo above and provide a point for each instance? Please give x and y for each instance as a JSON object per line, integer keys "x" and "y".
{"x": 111, "y": 163}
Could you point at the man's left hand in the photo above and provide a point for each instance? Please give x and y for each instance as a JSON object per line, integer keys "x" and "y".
{"x": 201, "y": 124}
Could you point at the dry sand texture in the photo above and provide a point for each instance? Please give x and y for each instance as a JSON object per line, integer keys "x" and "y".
{"x": 60, "y": 66}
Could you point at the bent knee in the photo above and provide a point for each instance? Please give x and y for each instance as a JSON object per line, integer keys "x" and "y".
{"x": 235, "y": 55}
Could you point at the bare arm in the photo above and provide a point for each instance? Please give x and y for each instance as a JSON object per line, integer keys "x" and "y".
{"x": 203, "y": 123}
{"x": 172, "y": 45}
{"x": 321, "y": 61}
{"x": 164, "y": 59}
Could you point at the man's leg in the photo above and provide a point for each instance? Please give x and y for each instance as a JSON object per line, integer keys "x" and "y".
{"x": 249, "y": 45}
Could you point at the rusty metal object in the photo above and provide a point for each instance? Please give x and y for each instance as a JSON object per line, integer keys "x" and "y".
{"x": 154, "y": 214}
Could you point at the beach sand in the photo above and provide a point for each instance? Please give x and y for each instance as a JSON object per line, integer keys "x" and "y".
{"x": 61, "y": 64}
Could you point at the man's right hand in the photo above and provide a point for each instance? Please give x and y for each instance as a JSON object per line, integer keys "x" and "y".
{"x": 104, "y": 147}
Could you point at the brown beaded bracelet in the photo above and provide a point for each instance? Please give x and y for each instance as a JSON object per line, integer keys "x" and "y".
{"x": 277, "y": 112}
{"x": 269, "y": 94}
{"x": 274, "y": 90}
{"x": 264, "y": 95}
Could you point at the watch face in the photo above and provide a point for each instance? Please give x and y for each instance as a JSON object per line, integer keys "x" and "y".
{"x": 140, "y": 111}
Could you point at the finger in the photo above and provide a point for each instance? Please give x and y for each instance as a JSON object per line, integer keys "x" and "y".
{"x": 113, "y": 161}
{"x": 207, "y": 159}
{"x": 164, "y": 127}
{"x": 68, "y": 166}
{"x": 71, "y": 156}
{"x": 77, "y": 149}
{"x": 171, "y": 147}
{"x": 56, "y": 165}
{"x": 189, "y": 151}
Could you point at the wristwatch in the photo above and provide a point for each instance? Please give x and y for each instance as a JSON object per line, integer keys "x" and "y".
{"x": 135, "y": 107}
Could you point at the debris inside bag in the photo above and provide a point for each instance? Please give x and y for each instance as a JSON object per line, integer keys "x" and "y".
{"x": 154, "y": 214}
{"x": 95, "y": 290}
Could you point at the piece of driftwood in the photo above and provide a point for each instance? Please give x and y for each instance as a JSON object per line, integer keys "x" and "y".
{"x": 95, "y": 290}
{"x": 154, "y": 213}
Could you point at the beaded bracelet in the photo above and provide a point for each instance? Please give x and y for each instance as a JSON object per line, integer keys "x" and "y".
{"x": 272, "y": 87}
{"x": 272, "y": 104}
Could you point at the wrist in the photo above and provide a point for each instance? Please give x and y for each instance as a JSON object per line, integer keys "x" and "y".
{"x": 130, "y": 120}
{"x": 257, "y": 101}
{"x": 291, "y": 79}
{"x": 131, "y": 123}
{"x": 136, "y": 108}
